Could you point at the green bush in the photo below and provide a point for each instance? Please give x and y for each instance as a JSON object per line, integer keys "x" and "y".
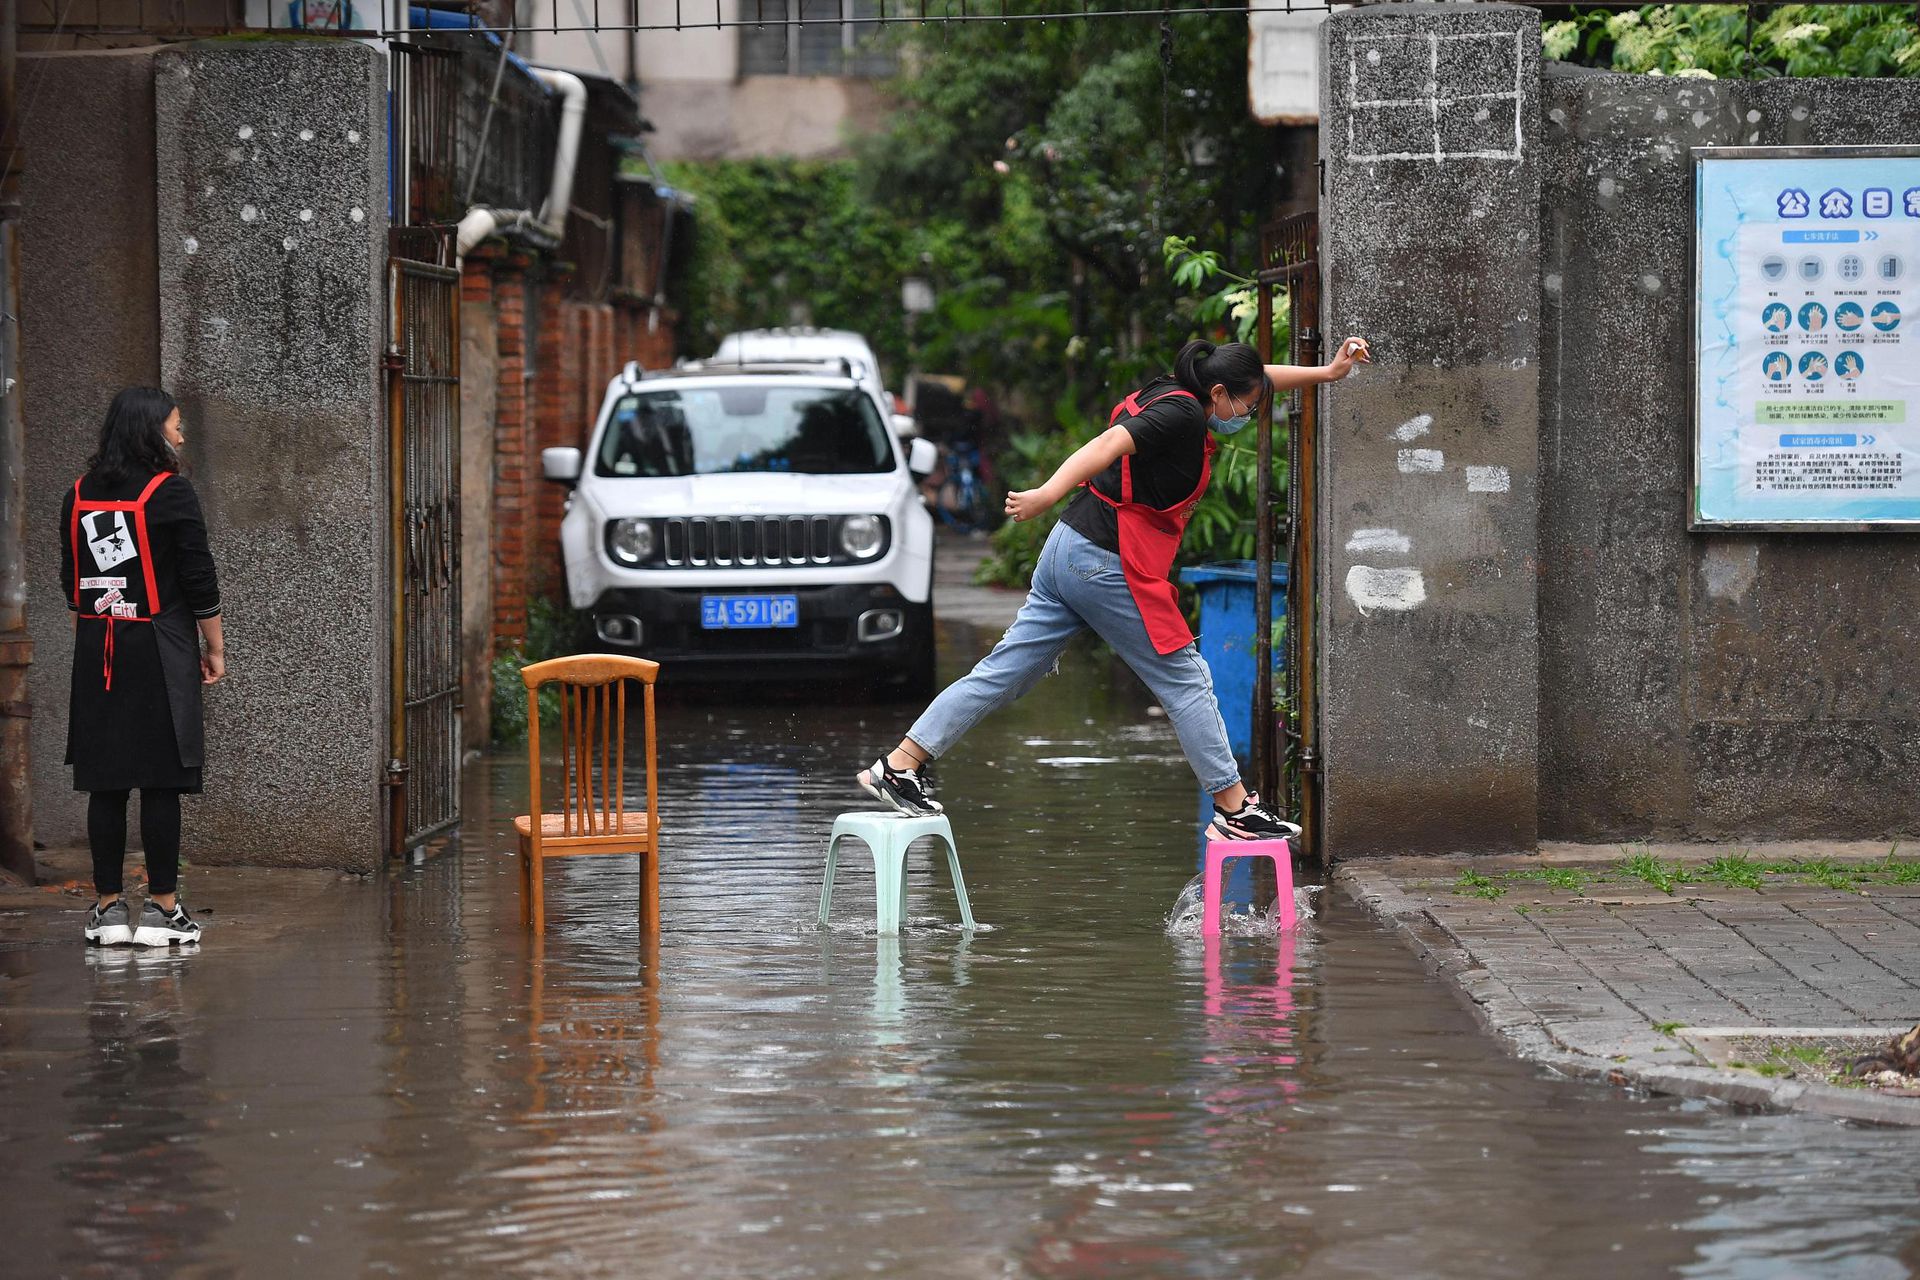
{"x": 1713, "y": 40}
{"x": 552, "y": 632}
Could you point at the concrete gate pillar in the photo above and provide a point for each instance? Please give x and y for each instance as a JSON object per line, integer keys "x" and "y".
{"x": 272, "y": 229}
{"x": 1427, "y": 461}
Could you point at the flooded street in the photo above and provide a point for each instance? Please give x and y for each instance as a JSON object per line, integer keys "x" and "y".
{"x": 396, "y": 1080}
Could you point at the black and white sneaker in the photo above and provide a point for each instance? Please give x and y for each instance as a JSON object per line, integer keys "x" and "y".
{"x": 904, "y": 789}
{"x": 109, "y": 926}
{"x": 1252, "y": 821}
{"x": 160, "y": 928}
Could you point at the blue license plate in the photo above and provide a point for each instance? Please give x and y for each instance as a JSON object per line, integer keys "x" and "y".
{"x": 749, "y": 613}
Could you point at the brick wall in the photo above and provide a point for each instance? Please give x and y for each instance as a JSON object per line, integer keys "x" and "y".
{"x": 512, "y": 447}
{"x": 547, "y": 395}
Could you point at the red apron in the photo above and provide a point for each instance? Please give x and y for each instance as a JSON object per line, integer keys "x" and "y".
{"x": 102, "y": 545}
{"x": 1150, "y": 538}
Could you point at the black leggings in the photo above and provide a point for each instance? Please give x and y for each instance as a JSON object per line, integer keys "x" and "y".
{"x": 159, "y": 836}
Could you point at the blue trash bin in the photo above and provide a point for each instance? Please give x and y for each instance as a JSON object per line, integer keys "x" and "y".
{"x": 1227, "y": 639}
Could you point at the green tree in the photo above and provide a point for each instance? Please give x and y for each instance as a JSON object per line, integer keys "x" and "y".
{"x": 1712, "y": 40}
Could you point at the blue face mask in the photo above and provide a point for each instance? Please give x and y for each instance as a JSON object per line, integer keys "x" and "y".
{"x": 1227, "y": 426}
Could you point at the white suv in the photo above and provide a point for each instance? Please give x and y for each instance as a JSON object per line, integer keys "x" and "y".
{"x": 757, "y": 520}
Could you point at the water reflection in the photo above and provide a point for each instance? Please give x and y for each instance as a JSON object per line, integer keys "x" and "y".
{"x": 399, "y": 1080}
{"x": 146, "y": 1193}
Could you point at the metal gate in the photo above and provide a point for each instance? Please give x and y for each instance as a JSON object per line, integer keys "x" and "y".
{"x": 1290, "y": 261}
{"x": 423, "y": 418}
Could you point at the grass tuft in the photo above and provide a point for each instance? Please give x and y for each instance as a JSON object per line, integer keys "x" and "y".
{"x": 1566, "y": 878}
{"x": 1736, "y": 871}
{"x": 1821, "y": 871}
{"x": 1663, "y": 876}
{"x": 1472, "y": 884}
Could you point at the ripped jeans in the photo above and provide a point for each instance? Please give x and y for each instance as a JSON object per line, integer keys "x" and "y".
{"x": 1078, "y": 586}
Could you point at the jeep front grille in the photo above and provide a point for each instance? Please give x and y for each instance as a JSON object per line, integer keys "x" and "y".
{"x": 699, "y": 542}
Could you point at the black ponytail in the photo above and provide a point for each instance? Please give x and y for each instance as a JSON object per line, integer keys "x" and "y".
{"x": 1201, "y": 366}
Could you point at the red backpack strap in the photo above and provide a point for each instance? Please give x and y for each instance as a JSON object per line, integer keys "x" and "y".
{"x": 1134, "y": 409}
{"x": 146, "y": 547}
{"x": 1177, "y": 391}
{"x": 73, "y": 541}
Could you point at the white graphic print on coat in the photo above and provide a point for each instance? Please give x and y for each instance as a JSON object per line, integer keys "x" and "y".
{"x": 108, "y": 538}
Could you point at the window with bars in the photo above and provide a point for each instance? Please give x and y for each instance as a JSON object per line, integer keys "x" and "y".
{"x": 813, "y": 38}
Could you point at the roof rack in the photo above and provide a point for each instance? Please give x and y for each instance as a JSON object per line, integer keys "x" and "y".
{"x": 835, "y": 367}
{"x": 792, "y": 365}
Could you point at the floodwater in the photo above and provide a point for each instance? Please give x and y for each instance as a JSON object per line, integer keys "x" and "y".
{"x": 398, "y": 1082}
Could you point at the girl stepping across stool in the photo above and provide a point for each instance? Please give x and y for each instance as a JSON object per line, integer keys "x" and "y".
{"x": 1105, "y": 568}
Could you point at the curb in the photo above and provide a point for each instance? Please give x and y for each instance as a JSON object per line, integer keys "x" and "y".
{"x": 1527, "y": 1036}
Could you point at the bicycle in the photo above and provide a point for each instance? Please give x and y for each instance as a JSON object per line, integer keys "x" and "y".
{"x": 963, "y": 501}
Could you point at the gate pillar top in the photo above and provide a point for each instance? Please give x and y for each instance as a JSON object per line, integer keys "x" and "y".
{"x": 1427, "y": 460}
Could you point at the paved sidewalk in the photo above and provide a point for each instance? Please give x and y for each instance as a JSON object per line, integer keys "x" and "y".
{"x": 1616, "y": 980}
{"x": 956, "y": 598}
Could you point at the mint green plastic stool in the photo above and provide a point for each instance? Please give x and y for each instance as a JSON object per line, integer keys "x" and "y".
{"x": 887, "y": 835}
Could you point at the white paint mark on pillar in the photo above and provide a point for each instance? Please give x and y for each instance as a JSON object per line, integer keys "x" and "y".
{"x": 1731, "y": 569}
{"x": 353, "y": 135}
{"x": 1413, "y": 428}
{"x": 246, "y": 131}
{"x": 1396, "y": 590}
{"x": 1488, "y": 480}
{"x": 306, "y": 215}
{"x": 191, "y": 245}
{"x": 1366, "y": 541}
{"x": 306, "y": 135}
{"x": 357, "y": 214}
{"x": 1414, "y": 461}
{"x": 287, "y": 244}
{"x": 248, "y": 213}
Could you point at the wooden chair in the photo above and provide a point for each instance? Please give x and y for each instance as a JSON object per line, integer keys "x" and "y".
{"x": 592, "y": 816}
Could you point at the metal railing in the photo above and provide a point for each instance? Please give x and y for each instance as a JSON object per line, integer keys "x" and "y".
{"x": 182, "y": 19}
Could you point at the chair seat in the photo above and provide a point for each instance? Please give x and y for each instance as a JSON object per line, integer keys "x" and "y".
{"x": 617, "y": 825}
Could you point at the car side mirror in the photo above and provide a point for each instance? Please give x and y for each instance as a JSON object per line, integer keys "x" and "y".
{"x": 906, "y": 426}
{"x": 562, "y": 466}
{"x": 922, "y": 457}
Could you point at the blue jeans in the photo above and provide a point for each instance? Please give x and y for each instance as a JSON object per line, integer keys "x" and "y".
{"x": 1078, "y": 586}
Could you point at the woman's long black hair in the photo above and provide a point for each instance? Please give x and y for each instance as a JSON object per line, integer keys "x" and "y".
{"x": 133, "y": 442}
{"x": 1201, "y": 366}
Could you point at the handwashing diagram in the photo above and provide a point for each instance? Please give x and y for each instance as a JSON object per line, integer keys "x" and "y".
{"x": 1452, "y": 119}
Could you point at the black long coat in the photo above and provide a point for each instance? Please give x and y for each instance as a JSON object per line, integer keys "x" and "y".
{"x": 145, "y": 731}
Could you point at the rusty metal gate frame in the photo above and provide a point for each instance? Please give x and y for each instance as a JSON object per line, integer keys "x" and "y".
{"x": 1290, "y": 260}
{"x": 423, "y": 430}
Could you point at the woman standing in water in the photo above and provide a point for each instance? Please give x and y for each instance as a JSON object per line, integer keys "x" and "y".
{"x": 1105, "y": 568}
{"x": 139, "y": 577}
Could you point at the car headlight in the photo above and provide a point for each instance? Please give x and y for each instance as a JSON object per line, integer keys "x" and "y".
{"x": 860, "y": 536}
{"x": 631, "y": 541}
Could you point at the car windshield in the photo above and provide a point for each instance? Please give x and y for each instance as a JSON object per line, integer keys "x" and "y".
{"x": 753, "y": 426}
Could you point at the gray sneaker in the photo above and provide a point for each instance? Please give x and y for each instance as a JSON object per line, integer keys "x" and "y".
{"x": 108, "y": 926}
{"x": 160, "y": 928}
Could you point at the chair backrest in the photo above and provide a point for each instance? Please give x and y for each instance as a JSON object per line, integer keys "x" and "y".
{"x": 593, "y": 741}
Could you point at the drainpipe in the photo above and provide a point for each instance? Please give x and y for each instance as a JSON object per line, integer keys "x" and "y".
{"x": 548, "y": 227}
{"x": 16, "y": 645}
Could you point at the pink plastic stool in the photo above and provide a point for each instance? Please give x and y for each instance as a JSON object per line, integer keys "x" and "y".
{"x": 1218, "y": 851}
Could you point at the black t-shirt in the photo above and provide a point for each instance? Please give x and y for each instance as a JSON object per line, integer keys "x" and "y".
{"x": 1170, "y": 443}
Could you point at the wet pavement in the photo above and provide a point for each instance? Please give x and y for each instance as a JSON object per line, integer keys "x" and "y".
{"x": 387, "y": 1076}
{"x": 1608, "y": 976}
